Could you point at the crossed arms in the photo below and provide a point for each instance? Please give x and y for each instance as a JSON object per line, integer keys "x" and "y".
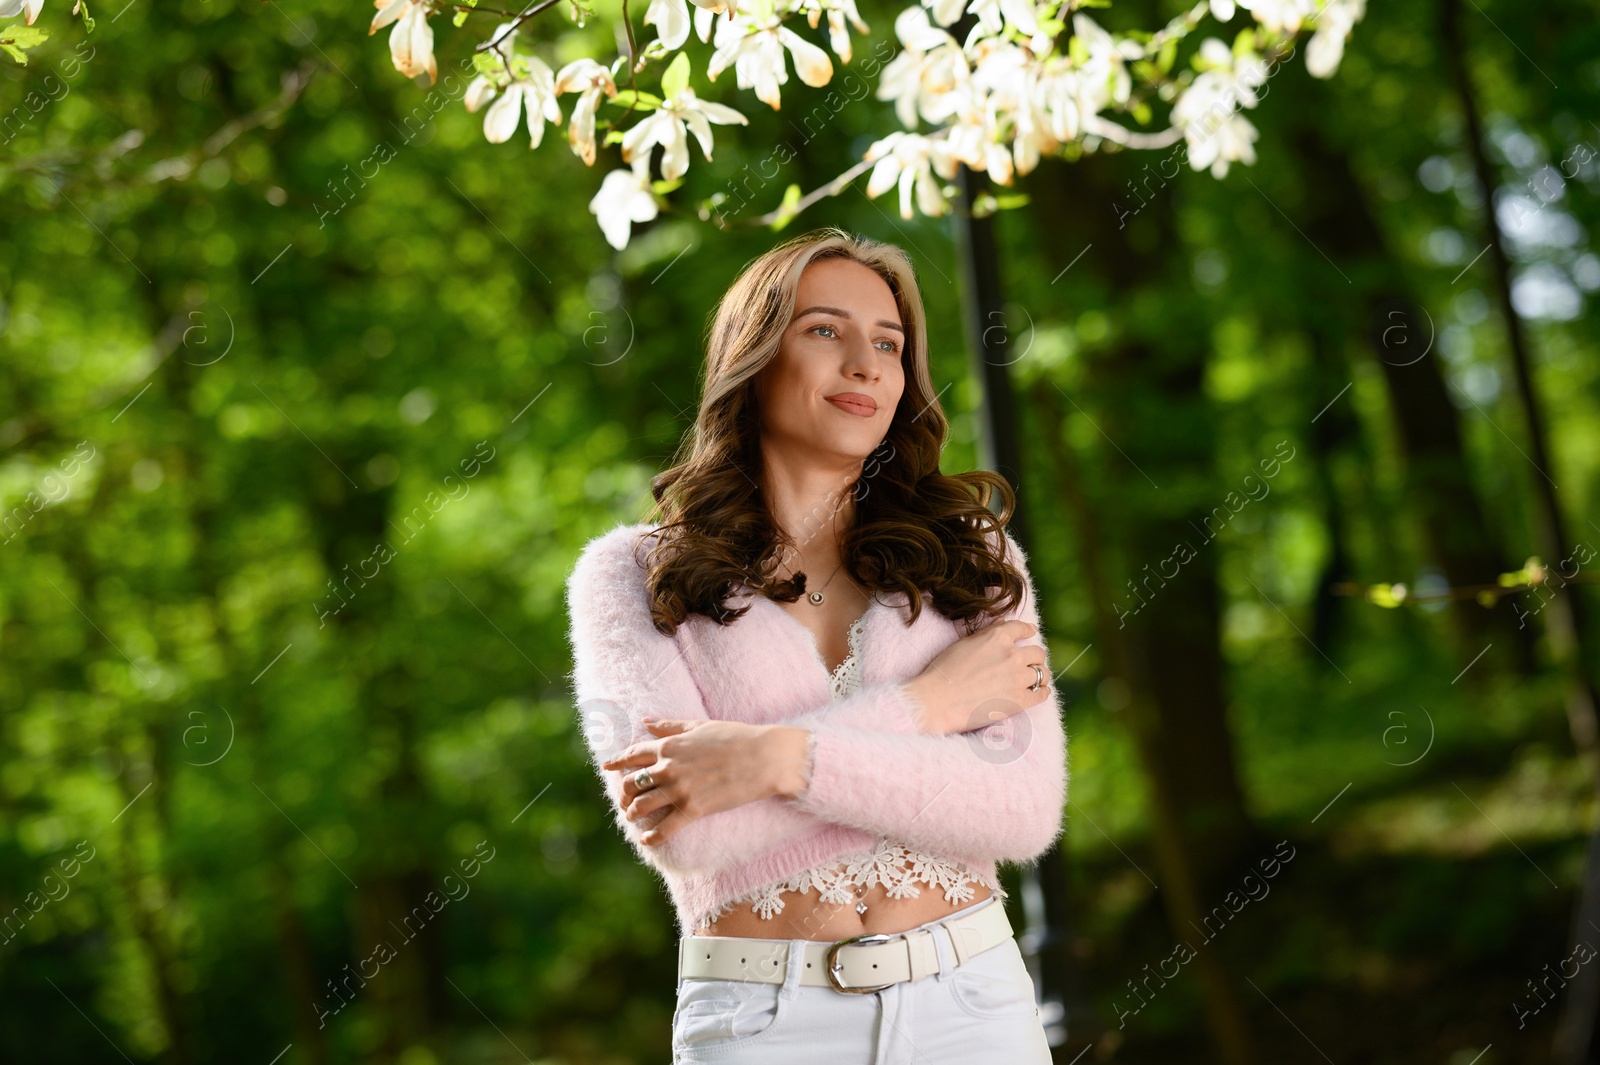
{"x": 995, "y": 792}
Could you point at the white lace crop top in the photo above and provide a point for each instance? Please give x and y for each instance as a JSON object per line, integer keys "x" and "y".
{"x": 848, "y": 878}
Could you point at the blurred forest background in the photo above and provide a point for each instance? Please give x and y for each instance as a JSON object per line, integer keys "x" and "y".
{"x": 293, "y": 468}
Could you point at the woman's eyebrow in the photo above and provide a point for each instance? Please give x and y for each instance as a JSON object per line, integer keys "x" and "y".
{"x": 884, "y": 322}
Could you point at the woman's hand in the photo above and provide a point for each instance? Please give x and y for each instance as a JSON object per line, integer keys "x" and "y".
{"x": 981, "y": 679}
{"x": 702, "y": 767}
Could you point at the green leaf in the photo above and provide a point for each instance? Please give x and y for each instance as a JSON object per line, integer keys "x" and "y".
{"x": 676, "y": 79}
{"x": 1387, "y": 595}
{"x": 787, "y": 209}
{"x": 1011, "y": 201}
{"x": 1167, "y": 56}
{"x": 1141, "y": 113}
{"x": 13, "y": 39}
{"x": 25, "y": 36}
{"x": 662, "y": 186}
{"x": 636, "y": 100}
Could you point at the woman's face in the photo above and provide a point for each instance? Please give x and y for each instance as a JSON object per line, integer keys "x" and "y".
{"x": 832, "y": 390}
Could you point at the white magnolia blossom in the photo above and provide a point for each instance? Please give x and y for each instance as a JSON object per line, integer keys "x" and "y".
{"x": 1232, "y": 140}
{"x": 671, "y": 19}
{"x": 666, "y": 126}
{"x": 995, "y": 15}
{"x": 1280, "y": 16}
{"x": 839, "y": 12}
{"x": 480, "y": 91}
{"x": 535, "y": 94}
{"x": 944, "y": 12}
{"x": 1230, "y": 77}
{"x": 999, "y": 102}
{"x": 1063, "y": 99}
{"x": 1334, "y": 24}
{"x": 1000, "y": 81}
{"x": 1206, "y": 112}
{"x": 923, "y": 77}
{"x": 411, "y": 40}
{"x": 483, "y": 88}
{"x": 13, "y": 8}
{"x": 908, "y": 160}
{"x": 1031, "y": 135}
{"x": 1105, "y": 73}
{"x": 971, "y": 141}
{"x": 624, "y": 198}
{"x": 754, "y": 44}
{"x": 503, "y": 39}
{"x": 588, "y": 79}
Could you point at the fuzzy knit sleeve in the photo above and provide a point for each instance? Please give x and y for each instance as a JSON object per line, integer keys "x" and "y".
{"x": 997, "y": 792}
{"x": 624, "y": 669}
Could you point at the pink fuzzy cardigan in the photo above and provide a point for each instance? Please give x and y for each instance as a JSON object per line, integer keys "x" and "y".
{"x": 993, "y": 794}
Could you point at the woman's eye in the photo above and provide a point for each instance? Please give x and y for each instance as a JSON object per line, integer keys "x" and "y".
{"x": 890, "y": 347}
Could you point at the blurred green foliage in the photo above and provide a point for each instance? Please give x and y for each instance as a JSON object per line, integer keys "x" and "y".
{"x": 296, "y": 457}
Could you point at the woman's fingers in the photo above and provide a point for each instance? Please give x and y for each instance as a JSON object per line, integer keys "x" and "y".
{"x": 645, "y": 802}
{"x": 641, "y": 754}
{"x": 1022, "y": 630}
{"x": 630, "y": 787}
{"x": 664, "y": 831}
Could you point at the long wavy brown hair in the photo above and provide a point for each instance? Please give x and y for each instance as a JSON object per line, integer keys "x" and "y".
{"x": 916, "y": 530}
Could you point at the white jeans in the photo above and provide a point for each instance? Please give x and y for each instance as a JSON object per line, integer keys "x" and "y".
{"x": 983, "y": 1012}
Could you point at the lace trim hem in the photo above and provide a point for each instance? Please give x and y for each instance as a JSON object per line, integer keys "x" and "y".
{"x": 840, "y": 882}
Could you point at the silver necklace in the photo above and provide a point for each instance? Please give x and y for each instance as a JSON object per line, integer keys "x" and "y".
{"x": 816, "y": 596}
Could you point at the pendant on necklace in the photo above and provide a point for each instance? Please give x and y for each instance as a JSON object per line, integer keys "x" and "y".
{"x": 816, "y": 597}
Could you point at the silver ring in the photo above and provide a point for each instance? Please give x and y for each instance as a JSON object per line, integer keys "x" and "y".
{"x": 1039, "y": 673}
{"x": 643, "y": 780}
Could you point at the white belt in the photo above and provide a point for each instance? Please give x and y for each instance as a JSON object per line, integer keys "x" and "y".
{"x": 859, "y": 964}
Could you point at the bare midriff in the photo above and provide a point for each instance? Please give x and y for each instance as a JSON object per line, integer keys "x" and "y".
{"x": 805, "y": 916}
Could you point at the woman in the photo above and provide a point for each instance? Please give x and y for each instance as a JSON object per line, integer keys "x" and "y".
{"x": 826, "y": 771}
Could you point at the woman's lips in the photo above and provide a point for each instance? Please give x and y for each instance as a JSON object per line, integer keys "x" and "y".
{"x": 855, "y": 406}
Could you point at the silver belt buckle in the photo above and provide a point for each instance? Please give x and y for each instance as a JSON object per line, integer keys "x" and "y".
{"x": 835, "y": 969}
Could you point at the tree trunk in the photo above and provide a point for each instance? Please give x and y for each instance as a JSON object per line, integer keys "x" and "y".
{"x": 1048, "y": 934}
{"x": 406, "y": 994}
{"x": 1572, "y": 641}
{"x": 1337, "y": 218}
{"x": 1163, "y": 639}
{"x": 1224, "y": 1015}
